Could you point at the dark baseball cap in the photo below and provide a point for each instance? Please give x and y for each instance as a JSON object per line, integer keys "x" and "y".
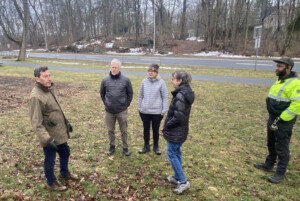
{"x": 286, "y": 60}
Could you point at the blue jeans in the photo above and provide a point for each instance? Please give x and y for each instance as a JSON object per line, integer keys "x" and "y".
{"x": 50, "y": 155}
{"x": 175, "y": 158}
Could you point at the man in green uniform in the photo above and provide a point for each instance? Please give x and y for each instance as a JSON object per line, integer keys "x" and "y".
{"x": 283, "y": 104}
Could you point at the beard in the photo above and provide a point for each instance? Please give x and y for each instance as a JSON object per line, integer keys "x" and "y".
{"x": 281, "y": 73}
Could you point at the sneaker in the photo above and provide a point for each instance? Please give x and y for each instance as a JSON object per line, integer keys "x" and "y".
{"x": 181, "y": 188}
{"x": 69, "y": 176}
{"x": 171, "y": 180}
{"x": 56, "y": 186}
{"x": 276, "y": 178}
{"x": 111, "y": 150}
{"x": 126, "y": 152}
{"x": 265, "y": 167}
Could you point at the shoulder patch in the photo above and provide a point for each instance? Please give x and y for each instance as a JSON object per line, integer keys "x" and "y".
{"x": 298, "y": 91}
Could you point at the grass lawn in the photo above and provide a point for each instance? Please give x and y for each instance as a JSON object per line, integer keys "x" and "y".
{"x": 227, "y": 135}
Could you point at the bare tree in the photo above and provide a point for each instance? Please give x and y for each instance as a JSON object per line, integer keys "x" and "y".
{"x": 137, "y": 15}
{"x": 24, "y": 17}
{"x": 229, "y": 21}
{"x": 69, "y": 20}
{"x": 236, "y": 21}
{"x": 41, "y": 19}
{"x": 249, "y": 3}
{"x": 183, "y": 30}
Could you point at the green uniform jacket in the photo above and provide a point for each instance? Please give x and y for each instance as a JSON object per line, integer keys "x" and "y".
{"x": 284, "y": 98}
{"x": 47, "y": 118}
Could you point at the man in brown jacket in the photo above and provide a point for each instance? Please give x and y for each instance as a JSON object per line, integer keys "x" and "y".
{"x": 51, "y": 127}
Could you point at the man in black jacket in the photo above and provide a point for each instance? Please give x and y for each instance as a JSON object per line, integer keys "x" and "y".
{"x": 116, "y": 93}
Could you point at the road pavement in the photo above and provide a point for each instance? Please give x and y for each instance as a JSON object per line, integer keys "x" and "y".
{"x": 238, "y": 63}
{"x": 255, "y": 81}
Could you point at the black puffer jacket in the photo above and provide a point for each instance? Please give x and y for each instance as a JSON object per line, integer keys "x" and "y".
{"x": 116, "y": 93}
{"x": 176, "y": 125}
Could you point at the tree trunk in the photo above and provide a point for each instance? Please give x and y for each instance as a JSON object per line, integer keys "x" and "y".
{"x": 277, "y": 40}
{"x": 183, "y": 31}
{"x": 246, "y": 25}
{"x": 228, "y": 23}
{"x": 214, "y": 24}
{"x": 42, "y": 23}
{"x": 137, "y": 8}
{"x": 237, "y": 17}
{"x": 69, "y": 20}
{"x": 54, "y": 11}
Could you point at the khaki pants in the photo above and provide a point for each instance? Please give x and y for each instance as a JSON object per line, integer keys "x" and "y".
{"x": 110, "y": 120}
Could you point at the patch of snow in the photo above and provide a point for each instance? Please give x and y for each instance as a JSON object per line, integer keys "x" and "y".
{"x": 119, "y": 38}
{"x": 58, "y": 62}
{"x": 136, "y": 49}
{"x": 41, "y": 50}
{"x": 110, "y": 45}
{"x": 82, "y": 46}
{"x": 195, "y": 39}
{"x": 127, "y": 53}
{"x": 217, "y": 54}
{"x": 69, "y": 63}
{"x": 97, "y": 42}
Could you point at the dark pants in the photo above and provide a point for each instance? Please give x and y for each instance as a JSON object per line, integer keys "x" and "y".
{"x": 278, "y": 144}
{"x": 147, "y": 119}
{"x": 50, "y": 155}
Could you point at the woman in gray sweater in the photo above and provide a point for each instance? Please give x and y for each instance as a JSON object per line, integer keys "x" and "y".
{"x": 153, "y": 104}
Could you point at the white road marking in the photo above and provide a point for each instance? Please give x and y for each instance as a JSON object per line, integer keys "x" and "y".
{"x": 251, "y": 64}
{"x": 151, "y": 59}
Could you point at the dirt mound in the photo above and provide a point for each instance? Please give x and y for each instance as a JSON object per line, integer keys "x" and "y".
{"x": 14, "y": 91}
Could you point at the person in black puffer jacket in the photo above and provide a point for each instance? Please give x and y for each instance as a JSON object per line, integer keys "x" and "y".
{"x": 176, "y": 127}
{"x": 116, "y": 93}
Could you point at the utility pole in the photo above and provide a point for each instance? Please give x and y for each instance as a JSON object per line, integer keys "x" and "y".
{"x": 257, "y": 36}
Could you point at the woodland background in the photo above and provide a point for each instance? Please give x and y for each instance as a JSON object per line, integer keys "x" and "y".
{"x": 225, "y": 25}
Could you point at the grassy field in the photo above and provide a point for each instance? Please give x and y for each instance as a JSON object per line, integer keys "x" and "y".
{"x": 227, "y": 135}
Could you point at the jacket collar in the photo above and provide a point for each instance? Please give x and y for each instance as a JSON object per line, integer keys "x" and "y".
{"x": 291, "y": 75}
{"x": 117, "y": 76}
{"x": 179, "y": 88}
{"x": 45, "y": 89}
{"x": 154, "y": 79}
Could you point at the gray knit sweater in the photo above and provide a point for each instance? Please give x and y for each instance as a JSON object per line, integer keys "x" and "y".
{"x": 153, "y": 96}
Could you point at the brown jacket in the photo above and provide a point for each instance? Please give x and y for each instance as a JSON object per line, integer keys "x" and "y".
{"x": 47, "y": 118}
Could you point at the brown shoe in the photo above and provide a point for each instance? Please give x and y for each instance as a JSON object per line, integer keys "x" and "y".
{"x": 69, "y": 176}
{"x": 56, "y": 186}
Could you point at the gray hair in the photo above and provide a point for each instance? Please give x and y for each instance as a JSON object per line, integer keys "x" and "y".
{"x": 37, "y": 71}
{"x": 117, "y": 61}
{"x": 182, "y": 75}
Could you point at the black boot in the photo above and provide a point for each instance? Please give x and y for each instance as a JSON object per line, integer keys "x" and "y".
{"x": 145, "y": 149}
{"x": 126, "y": 152}
{"x": 276, "y": 178}
{"x": 264, "y": 166}
{"x": 111, "y": 150}
{"x": 156, "y": 150}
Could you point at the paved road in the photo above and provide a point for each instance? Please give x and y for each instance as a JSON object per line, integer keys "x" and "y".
{"x": 255, "y": 81}
{"x": 167, "y": 60}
